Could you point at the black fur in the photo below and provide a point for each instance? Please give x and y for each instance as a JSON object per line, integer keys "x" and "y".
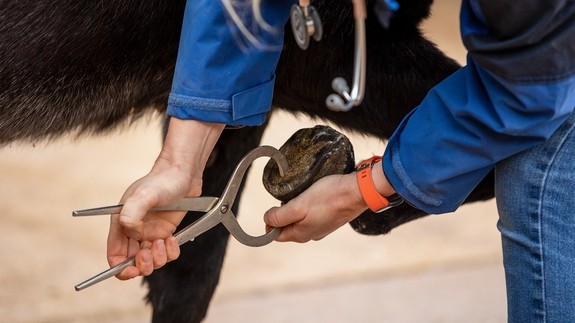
{"x": 88, "y": 67}
{"x": 74, "y": 66}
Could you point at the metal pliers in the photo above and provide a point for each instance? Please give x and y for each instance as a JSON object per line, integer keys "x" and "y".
{"x": 218, "y": 210}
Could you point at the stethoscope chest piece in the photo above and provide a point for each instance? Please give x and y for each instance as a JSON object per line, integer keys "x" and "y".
{"x": 305, "y": 24}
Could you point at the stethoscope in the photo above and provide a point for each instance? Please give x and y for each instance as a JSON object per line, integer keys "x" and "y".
{"x": 306, "y": 24}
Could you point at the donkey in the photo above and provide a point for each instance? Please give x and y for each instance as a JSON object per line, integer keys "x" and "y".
{"x": 84, "y": 68}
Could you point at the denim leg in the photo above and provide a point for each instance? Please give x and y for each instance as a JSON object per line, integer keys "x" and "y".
{"x": 535, "y": 193}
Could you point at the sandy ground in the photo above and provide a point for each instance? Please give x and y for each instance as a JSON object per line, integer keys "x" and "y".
{"x": 441, "y": 269}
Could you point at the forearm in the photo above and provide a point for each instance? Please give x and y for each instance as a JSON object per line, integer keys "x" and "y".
{"x": 187, "y": 147}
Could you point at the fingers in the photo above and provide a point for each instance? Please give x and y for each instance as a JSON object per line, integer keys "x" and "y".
{"x": 172, "y": 249}
{"x": 157, "y": 255}
{"x": 150, "y": 257}
{"x": 145, "y": 262}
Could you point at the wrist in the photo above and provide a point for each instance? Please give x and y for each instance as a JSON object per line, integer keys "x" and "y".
{"x": 349, "y": 197}
{"x": 188, "y": 144}
{"x": 353, "y": 192}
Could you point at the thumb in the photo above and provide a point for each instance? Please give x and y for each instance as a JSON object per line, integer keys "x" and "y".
{"x": 132, "y": 214}
{"x": 279, "y": 217}
{"x": 272, "y": 219}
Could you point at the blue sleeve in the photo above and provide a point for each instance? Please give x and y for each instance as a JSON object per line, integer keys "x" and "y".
{"x": 215, "y": 80}
{"x": 517, "y": 88}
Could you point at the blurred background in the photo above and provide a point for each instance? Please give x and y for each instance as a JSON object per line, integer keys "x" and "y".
{"x": 440, "y": 269}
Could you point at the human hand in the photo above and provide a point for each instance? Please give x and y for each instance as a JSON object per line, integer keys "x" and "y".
{"x": 177, "y": 173}
{"x": 328, "y": 204}
{"x": 325, "y": 206}
{"x": 149, "y": 237}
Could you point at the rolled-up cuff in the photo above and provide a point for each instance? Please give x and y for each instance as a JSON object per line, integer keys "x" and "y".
{"x": 246, "y": 108}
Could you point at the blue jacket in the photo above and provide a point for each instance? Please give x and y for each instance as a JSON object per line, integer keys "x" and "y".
{"x": 215, "y": 80}
{"x": 517, "y": 88}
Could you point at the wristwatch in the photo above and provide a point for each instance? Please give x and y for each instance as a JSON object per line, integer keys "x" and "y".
{"x": 375, "y": 201}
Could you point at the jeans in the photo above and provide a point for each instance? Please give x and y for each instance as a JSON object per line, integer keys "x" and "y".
{"x": 535, "y": 193}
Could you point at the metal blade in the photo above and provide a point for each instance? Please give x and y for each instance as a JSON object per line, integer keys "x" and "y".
{"x": 200, "y": 204}
{"x": 114, "y": 209}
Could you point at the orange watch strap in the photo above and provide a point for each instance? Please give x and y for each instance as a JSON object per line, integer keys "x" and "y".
{"x": 375, "y": 201}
